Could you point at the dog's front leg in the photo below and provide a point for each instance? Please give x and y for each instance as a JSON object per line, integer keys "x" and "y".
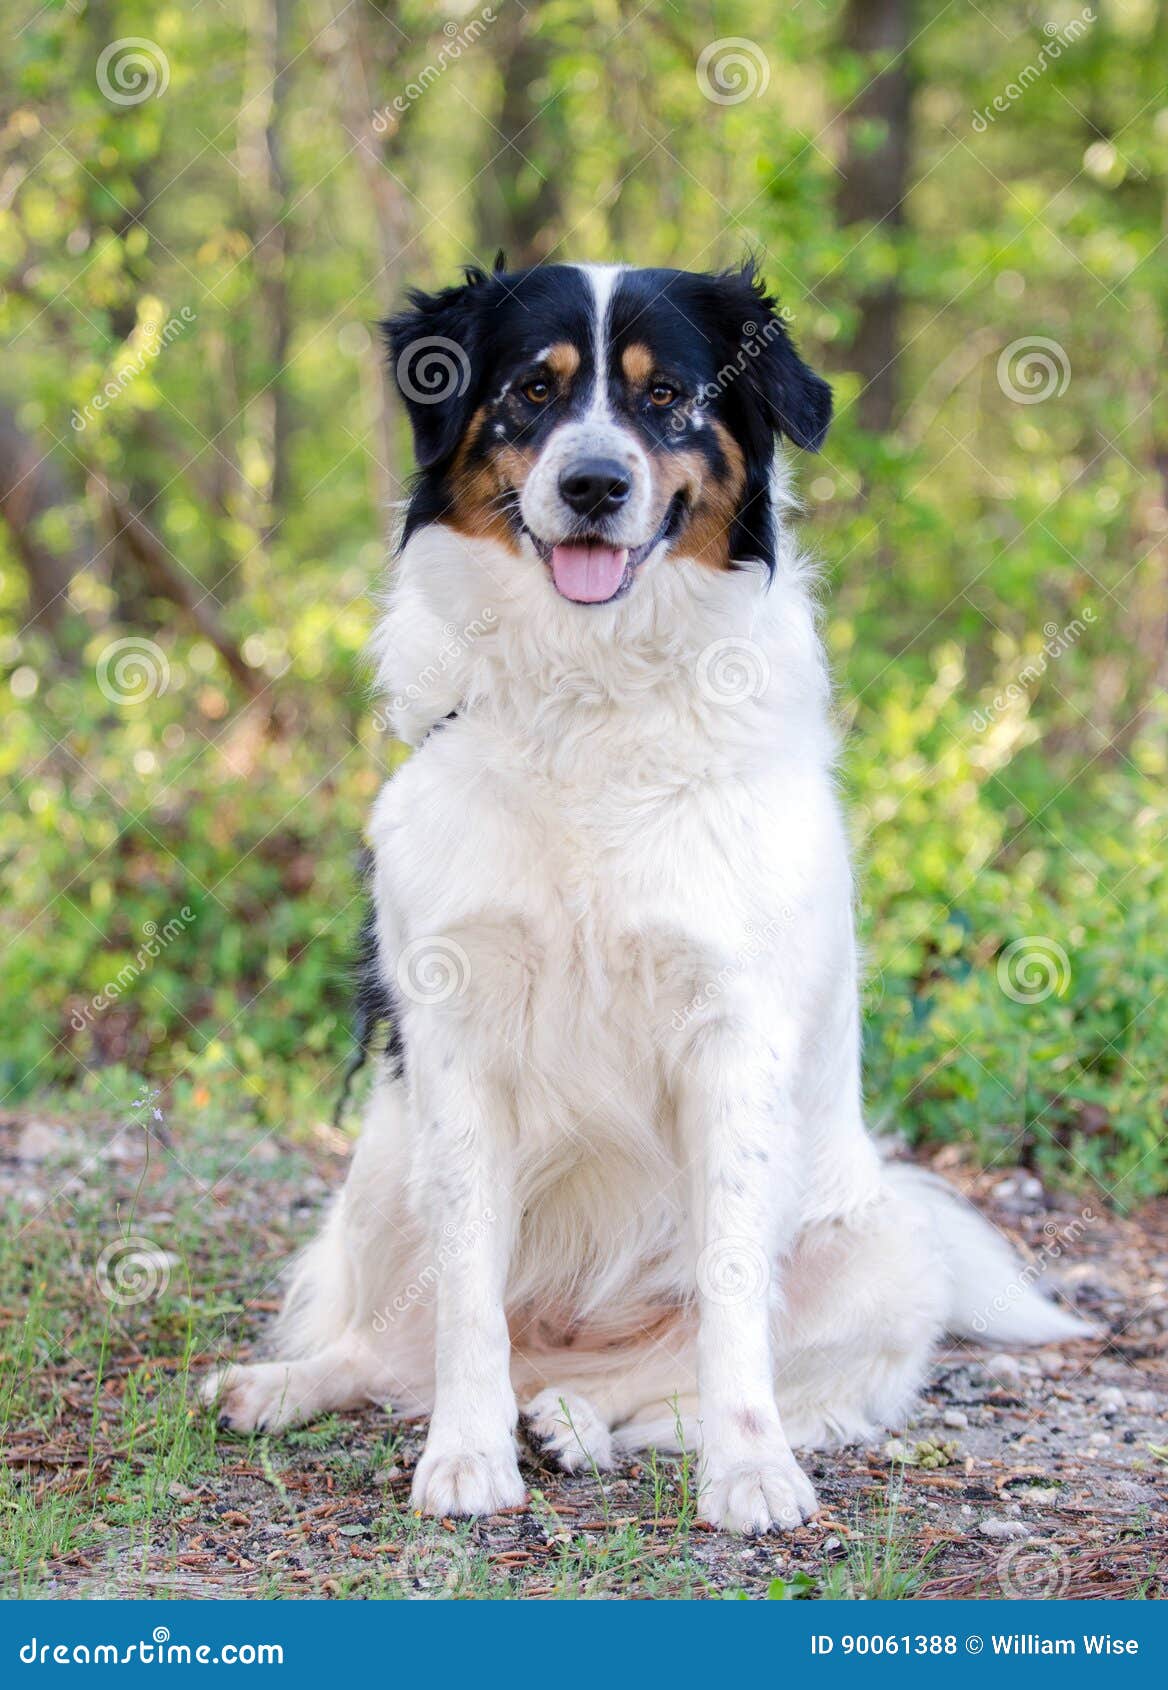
{"x": 469, "y": 1464}
{"x": 737, "y": 1131}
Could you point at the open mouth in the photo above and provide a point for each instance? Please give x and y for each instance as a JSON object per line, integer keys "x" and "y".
{"x": 588, "y": 569}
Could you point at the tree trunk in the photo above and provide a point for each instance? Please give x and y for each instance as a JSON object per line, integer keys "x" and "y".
{"x": 30, "y": 486}
{"x": 265, "y": 198}
{"x": 874, "y": 180}
{"x": 519, "y": 207}
{"x": 360, "y": 110}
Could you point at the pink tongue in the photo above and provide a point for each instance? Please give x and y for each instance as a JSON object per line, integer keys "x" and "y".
{"x": 588, "y": 574}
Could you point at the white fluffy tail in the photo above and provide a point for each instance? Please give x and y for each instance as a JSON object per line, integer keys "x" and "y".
{"x": 992, "y": 1292}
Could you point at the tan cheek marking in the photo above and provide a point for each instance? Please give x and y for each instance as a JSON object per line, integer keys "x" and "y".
{"x": 563, "y": 361}
{"x": 516, "y": 464}
{"x": 475, "y": 492}
{"x": 706, "y": 537}
{"x": 638, "y": 364}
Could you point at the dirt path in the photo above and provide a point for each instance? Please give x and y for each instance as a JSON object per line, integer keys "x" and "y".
{"x": 130, "y": 1263}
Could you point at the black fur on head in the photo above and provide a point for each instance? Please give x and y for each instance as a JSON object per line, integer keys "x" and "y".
{"x": 438, "y": 354}
{"x": 777, "y": 396}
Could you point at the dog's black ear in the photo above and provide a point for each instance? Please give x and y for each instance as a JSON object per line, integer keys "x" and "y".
{"x": 794, "y": 401}
{"x": 436, "y": 349}
{"x": 764, "y": 390}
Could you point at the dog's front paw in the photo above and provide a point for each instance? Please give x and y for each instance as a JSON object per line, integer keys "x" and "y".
{"x": 567, "y": 1428}
{"x": 467, "y": 1481}
{"x": 757, "y": 1496}
{"x": 259, "y": 1397}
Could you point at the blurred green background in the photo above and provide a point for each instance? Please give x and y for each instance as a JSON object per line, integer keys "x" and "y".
{"x": 204, "y": 209}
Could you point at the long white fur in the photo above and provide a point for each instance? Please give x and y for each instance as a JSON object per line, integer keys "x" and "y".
{"x": 626, "y": 1180}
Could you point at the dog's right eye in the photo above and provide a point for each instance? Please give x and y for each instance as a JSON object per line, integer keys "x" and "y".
{"x": 537, "y": 391}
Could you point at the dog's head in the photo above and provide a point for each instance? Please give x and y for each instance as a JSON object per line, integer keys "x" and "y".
{"x": 603, "y": 416}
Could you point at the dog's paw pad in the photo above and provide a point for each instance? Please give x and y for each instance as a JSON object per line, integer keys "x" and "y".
{"x": 467, "y": 1482}
{"x": 758, "y": 1497}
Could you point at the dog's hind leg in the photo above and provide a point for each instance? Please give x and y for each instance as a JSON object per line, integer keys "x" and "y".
{"x": 569, "y": 1429}
{"x": 355, "y": 1326}
{"x": 614, "y": 1399}
{"x": 267, "y": 1396}
{"x": 670, "y": 1428}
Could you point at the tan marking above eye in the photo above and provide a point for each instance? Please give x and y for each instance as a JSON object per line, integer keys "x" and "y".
{"x": 638, "y": 363}
{"x": 562, "y": 360}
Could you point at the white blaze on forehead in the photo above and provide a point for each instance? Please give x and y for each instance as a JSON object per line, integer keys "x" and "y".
{"x": 597, "y": 433}
{"x": 601, "y": 278}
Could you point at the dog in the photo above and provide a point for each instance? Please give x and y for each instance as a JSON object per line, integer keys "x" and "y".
{"x": 615, "y": 1171}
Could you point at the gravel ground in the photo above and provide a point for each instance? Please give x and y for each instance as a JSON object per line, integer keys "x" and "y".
{"x": 1042, "y": 1473}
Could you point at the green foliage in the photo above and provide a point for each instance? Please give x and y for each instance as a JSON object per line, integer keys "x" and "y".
{"x": 995, "y": 564}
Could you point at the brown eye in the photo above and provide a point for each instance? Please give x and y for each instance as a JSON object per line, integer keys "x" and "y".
{"x": 538, "y": 391}
{"x": 662, "y": 395}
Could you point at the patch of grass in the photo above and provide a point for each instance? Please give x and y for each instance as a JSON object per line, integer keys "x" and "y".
{"x": 881, "y": 1560}
{"x": 100, "y": 1340}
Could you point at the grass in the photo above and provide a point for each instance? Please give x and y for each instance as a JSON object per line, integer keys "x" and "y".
{"x": 881, "y": 1562}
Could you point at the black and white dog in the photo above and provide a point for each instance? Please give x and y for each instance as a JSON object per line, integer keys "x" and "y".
{"x": 619, "y": 1179}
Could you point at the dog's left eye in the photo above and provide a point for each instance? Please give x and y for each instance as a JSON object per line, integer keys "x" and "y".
{"x": 662, "y": 394}
{"x": 537, "y": 391}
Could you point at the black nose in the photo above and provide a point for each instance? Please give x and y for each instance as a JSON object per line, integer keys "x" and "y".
{"x": 595, "y": 486}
